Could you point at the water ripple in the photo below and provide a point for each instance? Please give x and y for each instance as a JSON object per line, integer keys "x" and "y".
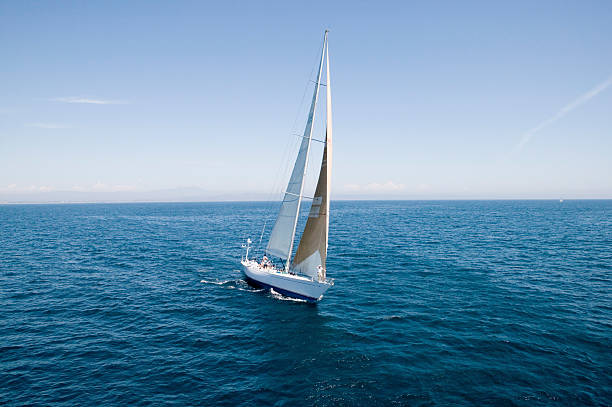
{"x": 471, "y": 303}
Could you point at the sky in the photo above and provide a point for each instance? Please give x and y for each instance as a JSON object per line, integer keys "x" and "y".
{"x": 157, "y": 100}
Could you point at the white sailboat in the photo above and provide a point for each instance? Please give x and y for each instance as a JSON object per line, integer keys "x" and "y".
{"x": 304, "y": 277}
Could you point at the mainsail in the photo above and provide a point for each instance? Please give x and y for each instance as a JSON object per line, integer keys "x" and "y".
{"x": 312, "y": 250}
{"x": 283, "y": 232}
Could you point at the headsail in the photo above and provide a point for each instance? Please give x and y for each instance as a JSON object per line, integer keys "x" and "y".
{"x": 312, "y": 250}
{"x": 283, "y": 232}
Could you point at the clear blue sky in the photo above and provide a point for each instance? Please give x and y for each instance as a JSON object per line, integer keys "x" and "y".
{"x": 431, "y": 99}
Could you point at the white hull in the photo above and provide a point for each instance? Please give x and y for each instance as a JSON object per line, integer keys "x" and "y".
{"x": 284, "y": 283}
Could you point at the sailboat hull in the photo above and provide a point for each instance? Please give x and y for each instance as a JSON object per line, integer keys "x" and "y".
{"x": 284, "y": 283}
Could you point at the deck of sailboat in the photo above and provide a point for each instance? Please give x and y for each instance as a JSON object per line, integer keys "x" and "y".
{"x": 254, "y": 265}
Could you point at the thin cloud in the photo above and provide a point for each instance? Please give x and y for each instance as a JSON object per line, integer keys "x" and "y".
{"x": 13, "y": 188}
{"x": 90, "y": 101}
{"x": 564, "y": 111}
{"x": 48, "y": 125}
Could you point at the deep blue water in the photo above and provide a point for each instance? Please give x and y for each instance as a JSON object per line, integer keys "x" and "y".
{"x": 435, "y": 303}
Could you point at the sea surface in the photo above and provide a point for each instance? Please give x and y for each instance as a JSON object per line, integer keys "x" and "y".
{"x": 435, "y": 303}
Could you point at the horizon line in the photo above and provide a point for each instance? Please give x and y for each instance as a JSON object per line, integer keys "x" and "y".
{"x": 337, "y": 200}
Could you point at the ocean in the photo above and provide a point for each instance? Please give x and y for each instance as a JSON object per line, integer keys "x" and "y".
{"x": 434, "y": 303}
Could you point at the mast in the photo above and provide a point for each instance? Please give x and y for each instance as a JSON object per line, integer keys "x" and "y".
{"x": 328, "y": 146}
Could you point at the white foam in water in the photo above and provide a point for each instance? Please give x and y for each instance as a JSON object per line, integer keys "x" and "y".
{"x": 234, "y": 284}
{"x": 281, "y": 297}
{"x": 391, "y": 317}
{"x": 252, "y": 290}
{"x": 216, "y": 282}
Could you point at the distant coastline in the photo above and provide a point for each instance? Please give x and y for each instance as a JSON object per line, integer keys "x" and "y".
{"x": 197, "y": 194}
{"x": 340, "y": 199}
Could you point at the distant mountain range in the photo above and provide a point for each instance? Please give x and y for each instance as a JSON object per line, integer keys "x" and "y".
{"x": 191, "y": 194}
{"x": 195, "y": 194}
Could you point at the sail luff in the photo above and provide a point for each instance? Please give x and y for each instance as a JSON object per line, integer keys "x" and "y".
{"x": 282, "y": 235}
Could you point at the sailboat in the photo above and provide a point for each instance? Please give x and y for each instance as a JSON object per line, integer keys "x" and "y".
{"x": 304, "y": 277}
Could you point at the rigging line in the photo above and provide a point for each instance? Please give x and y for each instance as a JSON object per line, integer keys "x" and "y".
{"x": 312, "y": 139}
{"x": 262, "y": 232}
{"x": 298, "y": 113}
{"x": 267, "y": 211}
{"x": 276, "y": 186}
{"x": 275, "y": 196}
{"x": 270, "y": 207}
{"x": 282, "y": 175}
{"x": 303, "y": 196}
{"x": 305, "y": 90}
{"x": 322, "y": 84}
{"x": 276, "y": 193}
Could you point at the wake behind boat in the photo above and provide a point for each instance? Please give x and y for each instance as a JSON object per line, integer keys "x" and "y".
{"x": 304, "y": 277}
